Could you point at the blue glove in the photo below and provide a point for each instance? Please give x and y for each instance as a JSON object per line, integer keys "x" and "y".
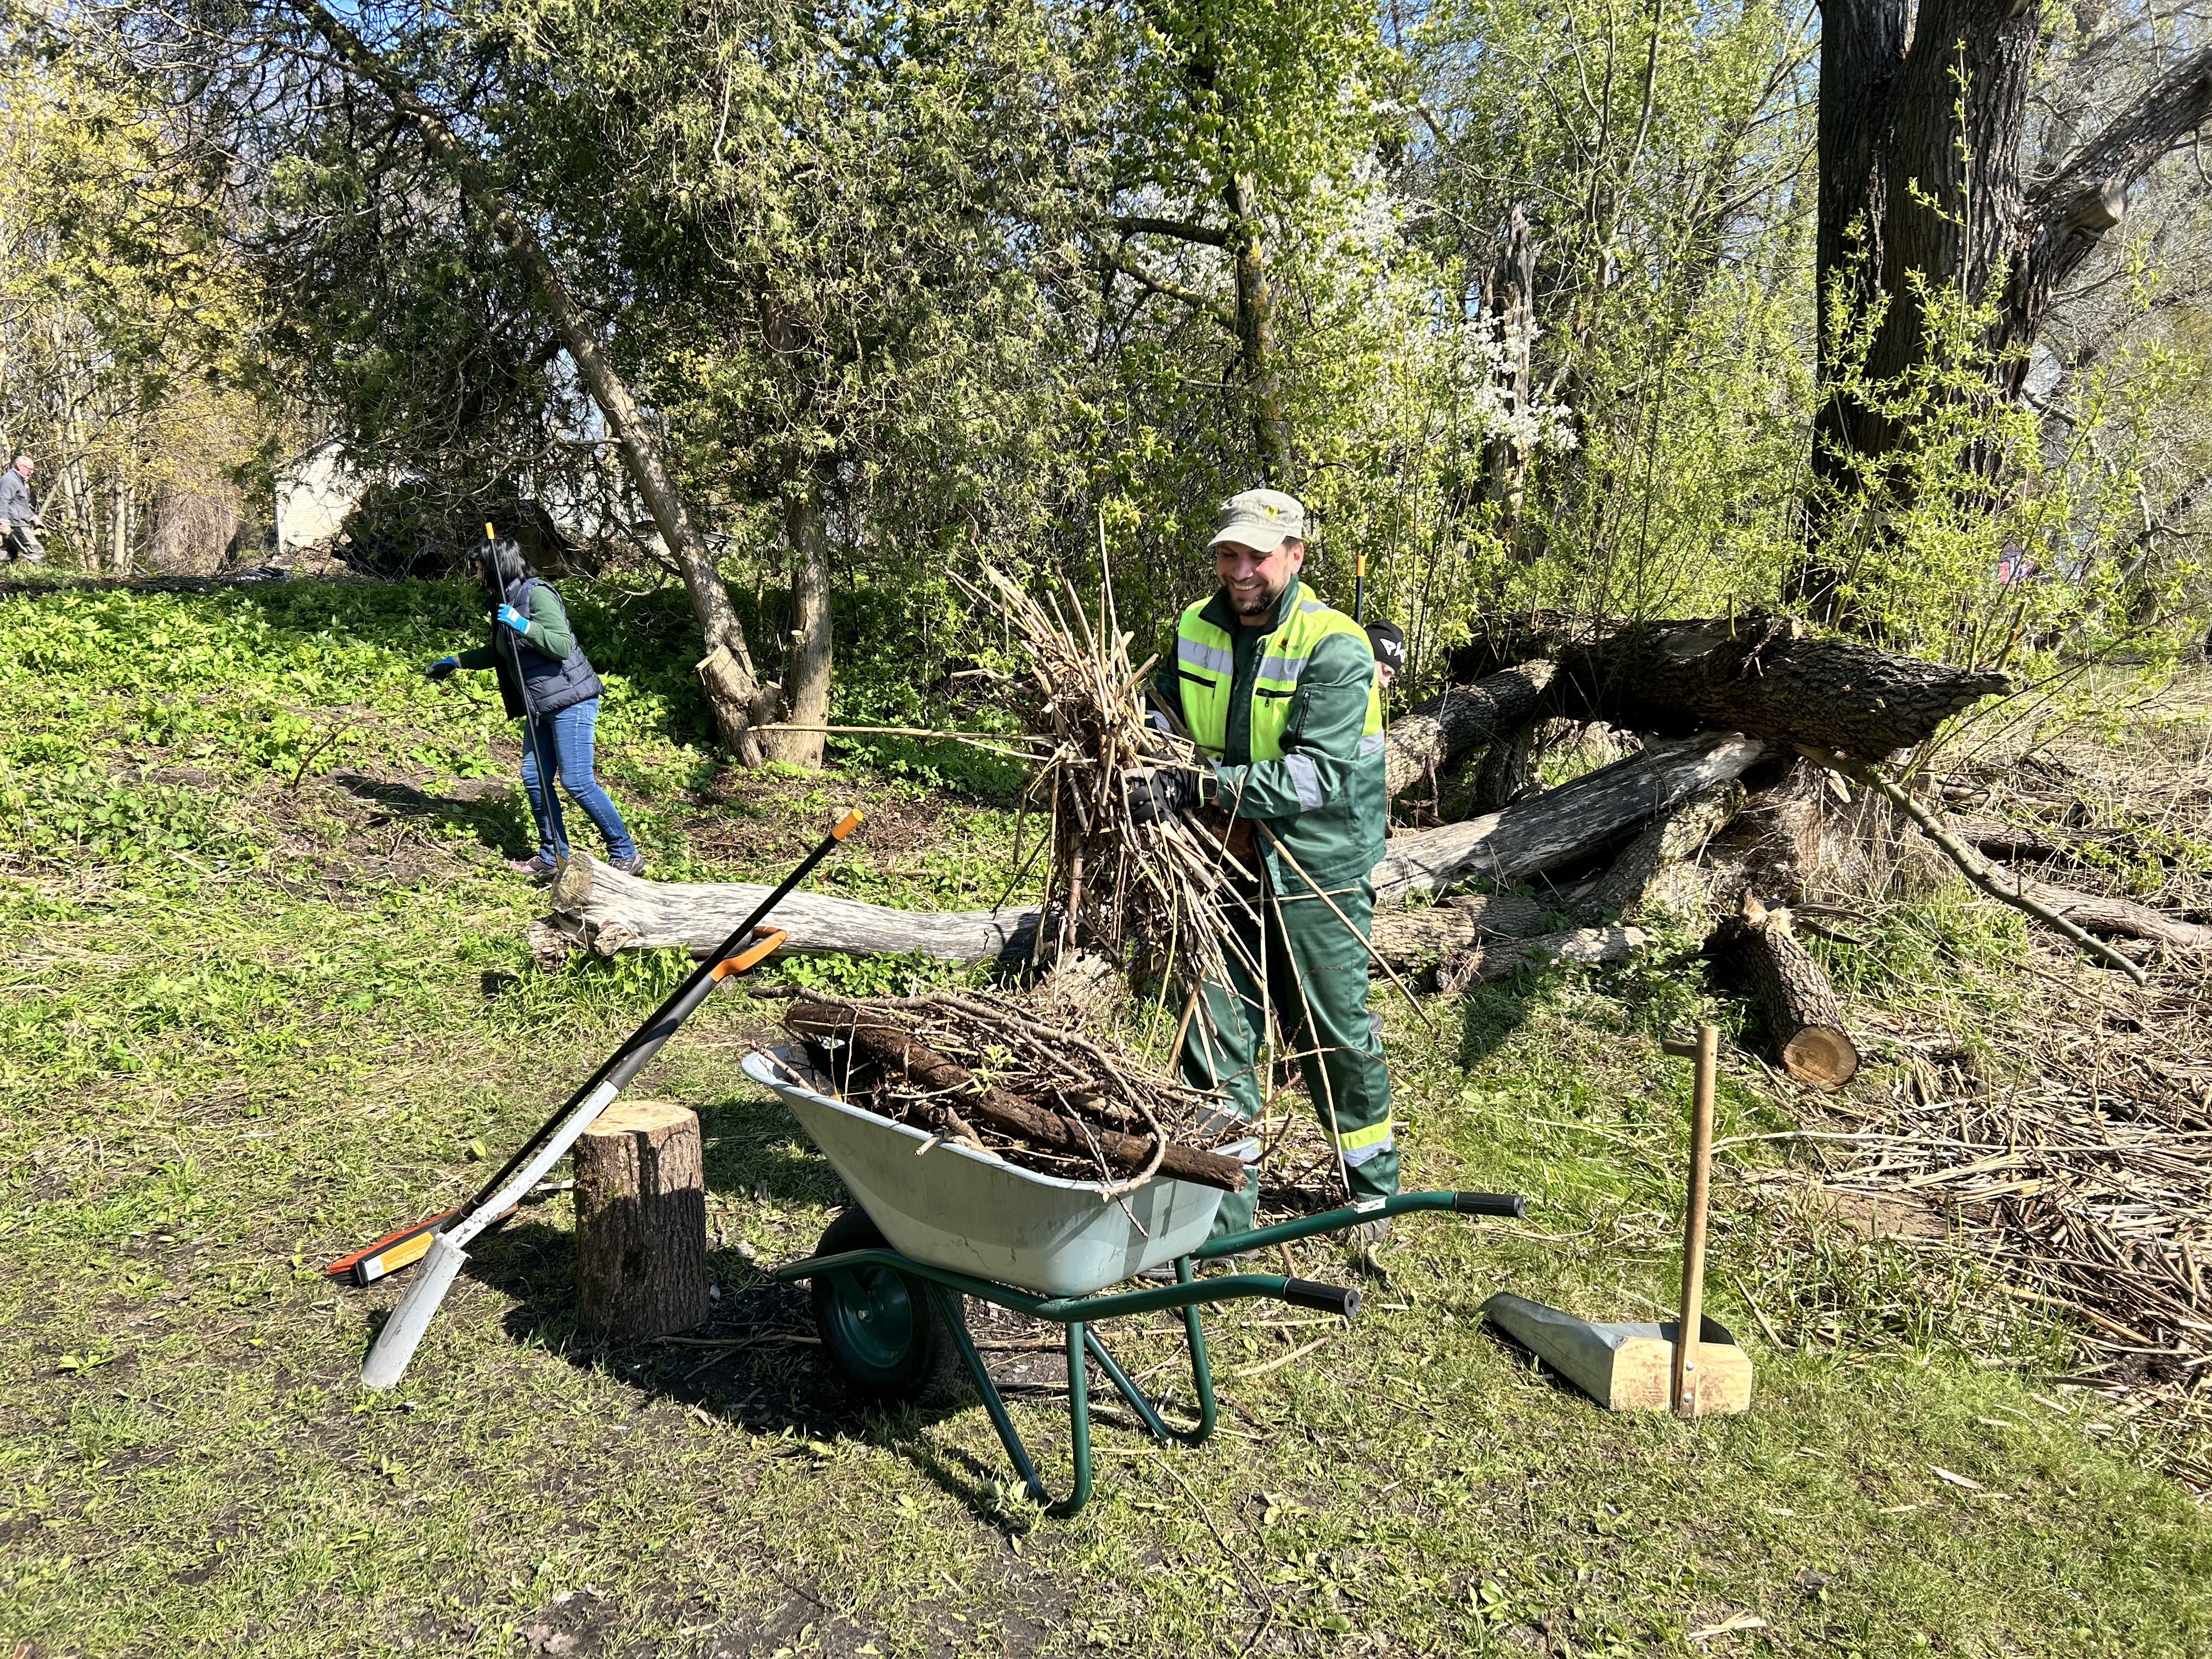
{"x": 440, "y": 669}
{"x": 514, "y": 619}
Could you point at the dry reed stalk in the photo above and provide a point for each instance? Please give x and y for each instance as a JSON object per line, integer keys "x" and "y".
{"x": 1149, "y": 895}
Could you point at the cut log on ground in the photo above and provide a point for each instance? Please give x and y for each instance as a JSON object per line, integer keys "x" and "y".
{"x": 1502, "y": 958}
{"x": 880, "y": 1040}
{"x": 642, "y": 1221}
{"x": 1430, "y": 737}
{"x": 2111, "y": 918}
{"x": 1566, "y": 825}
{"x": 1802, "y": 1012}
{"x": 607, "y": 911}
{"x": 1414, "y": 938}
{"x": 1762, "y": 674}
{"x": 1682, "y": 834}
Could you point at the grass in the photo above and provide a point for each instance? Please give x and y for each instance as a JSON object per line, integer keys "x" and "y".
{"x": 276, "y": 999}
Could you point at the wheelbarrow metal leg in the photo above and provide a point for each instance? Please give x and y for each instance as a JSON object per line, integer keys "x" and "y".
{"x": 1129, "y": 1391}
{"x": 1078, "y": 1421}
{"x": 1201, "y": 1374}
{"x": 1079, "y": 1411}
{"x": 991, "y": 1402}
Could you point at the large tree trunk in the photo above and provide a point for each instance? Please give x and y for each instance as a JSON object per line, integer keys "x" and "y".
{"x": 1761, "y": 675}
{"x": 806, "y": 679}
{"x": 642, "y": 1221}
{"x": 1428, "y": 740}
{"x": 1255, "y": 330}
{"x": 1566, "y": 825}
{"x": 725, "y": 672}
{"x": 606, "y": 911}
{"x": 1923, "y": 198}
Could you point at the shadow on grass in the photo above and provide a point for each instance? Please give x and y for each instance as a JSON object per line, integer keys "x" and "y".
{"x": 772, "y": 1378}
{"x": 496, "y": 816}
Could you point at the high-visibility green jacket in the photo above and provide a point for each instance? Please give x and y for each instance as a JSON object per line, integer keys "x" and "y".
{"x": 1291, "y": 717}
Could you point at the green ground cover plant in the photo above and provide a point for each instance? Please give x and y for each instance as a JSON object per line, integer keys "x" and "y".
{"x": 265, "y": 994}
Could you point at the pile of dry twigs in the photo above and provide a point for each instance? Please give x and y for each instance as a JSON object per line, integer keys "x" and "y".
{"x": 1149, "y": 895}
{"x": 982, "y": 1071}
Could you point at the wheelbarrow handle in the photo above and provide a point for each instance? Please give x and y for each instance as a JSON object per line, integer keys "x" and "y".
{"x": 1339, "y": 1299}
{"x": 1510, "y": 1204}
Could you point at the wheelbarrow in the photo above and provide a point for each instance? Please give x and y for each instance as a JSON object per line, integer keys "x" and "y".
{"x": 937, "y": 1221}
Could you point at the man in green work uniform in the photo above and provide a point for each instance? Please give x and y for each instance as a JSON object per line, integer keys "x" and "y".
{"x": 1277, "y": 691}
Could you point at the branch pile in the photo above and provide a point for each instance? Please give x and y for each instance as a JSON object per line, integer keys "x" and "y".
{"x": 988, "y": 1074}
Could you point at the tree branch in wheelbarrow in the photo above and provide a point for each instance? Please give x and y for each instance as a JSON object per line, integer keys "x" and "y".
{"x": 880, "y": 1039}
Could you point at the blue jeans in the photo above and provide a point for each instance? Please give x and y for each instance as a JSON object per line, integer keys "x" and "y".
{"x": 564, "y": 739}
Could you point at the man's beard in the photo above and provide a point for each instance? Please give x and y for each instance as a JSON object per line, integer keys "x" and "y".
{"x": 1262, "y": 603}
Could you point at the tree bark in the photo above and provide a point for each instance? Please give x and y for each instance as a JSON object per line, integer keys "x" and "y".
{"x": 1255, "y": 330}
{"x": 1681, "y": 834}
{"x": 1801, "y": 1011}
{"x": 1761, "y": 675}
{"x": 1414, "y": 938}
{"x": 1512, "y": 313}
{"x": 806, "y": 677}
{"x": 606, "y": 911}
{"x": 1566, "y": 825}
{"x": 1923, "y": 197}
{"x": 889, "y": 1045}
{"x": 733, "y": 690}
{"x": 1502, "y": 958}
{"x": 2110, "y": 917}
{"x": 642, "y": 1221}
{"x": 1430, "y": 738}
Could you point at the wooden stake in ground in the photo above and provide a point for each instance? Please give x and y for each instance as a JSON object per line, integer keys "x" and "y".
{"x": 1803, "y": 1011}
{"x": 1705, "y": 1053}
{"x": 642, "y": 1221}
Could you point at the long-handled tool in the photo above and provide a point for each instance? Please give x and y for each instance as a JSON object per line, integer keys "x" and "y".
{"x": 1692, "y": 1364}
{"x": 395, "y": 1344}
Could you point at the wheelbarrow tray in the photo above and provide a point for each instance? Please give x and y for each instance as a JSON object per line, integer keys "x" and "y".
{"x": 959, "y": 1209}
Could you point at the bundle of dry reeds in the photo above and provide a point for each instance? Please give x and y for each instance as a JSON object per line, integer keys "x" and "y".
{"x": 1150, "y": 894}
{"x": 981, "y": 1072}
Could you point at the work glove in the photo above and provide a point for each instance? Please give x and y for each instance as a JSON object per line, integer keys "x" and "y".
{"x": 1154, "y": 792}
{"x": 440, "y": 669}
{"x": 514, "y": 619}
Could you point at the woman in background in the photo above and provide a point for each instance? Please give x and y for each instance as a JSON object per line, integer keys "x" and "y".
{"x": 548, "y": 684}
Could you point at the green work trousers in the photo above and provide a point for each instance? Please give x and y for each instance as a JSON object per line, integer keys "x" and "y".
{"x": 1317, "y": 989}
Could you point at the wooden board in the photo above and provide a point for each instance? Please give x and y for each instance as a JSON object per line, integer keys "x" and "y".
{"x": 1627, "y": 1367}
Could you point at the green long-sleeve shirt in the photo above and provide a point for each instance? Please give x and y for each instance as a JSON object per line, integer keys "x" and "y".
{"x": 549, "y": 632}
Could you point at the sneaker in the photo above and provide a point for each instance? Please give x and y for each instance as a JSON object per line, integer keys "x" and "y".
{"x": 540, "y": 866}
{"x": 632, "y": 865}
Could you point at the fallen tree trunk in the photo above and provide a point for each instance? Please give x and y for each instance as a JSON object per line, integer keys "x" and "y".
{"x": 1428, "y": 738}
{"x": 2112, "y": 918}
{"x": 1804, "y": 1015}
{"x": 1405, "y": 937}
{"x": 1761, "y": 675}
{"x": 887, "y": 1044}
{"x": 606, "y": 911}
{"x": 1502, "y": 958}
{"x": 1681, "y": 834}
{"x": 1564, "y": 825}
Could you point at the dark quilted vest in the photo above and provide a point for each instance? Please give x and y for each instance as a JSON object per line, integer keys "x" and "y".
{"x": 545, "y": 686}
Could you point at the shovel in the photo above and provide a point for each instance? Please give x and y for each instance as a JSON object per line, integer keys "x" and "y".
{"x": 395, "y": 1344}
{"x": 1648, "y": 1366}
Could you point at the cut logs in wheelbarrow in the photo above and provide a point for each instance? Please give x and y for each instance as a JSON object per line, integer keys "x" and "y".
{"x": 1646, "y": 1365}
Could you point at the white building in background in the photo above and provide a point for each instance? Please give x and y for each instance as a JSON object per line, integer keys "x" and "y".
{"x": 314, "y": 493}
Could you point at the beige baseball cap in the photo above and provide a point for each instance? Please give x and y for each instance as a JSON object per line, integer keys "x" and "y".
{"x": 1260, "y": 518}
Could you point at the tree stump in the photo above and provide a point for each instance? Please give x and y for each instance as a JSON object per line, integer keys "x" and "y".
{"x": 641, "y": 1220}
{"x": 1803, "y": 1014}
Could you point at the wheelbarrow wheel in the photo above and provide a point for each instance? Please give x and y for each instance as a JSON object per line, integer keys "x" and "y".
{"x": 880, "y": 1326}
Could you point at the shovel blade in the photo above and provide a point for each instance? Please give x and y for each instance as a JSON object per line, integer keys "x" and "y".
{"x": 402, "y": 1333}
